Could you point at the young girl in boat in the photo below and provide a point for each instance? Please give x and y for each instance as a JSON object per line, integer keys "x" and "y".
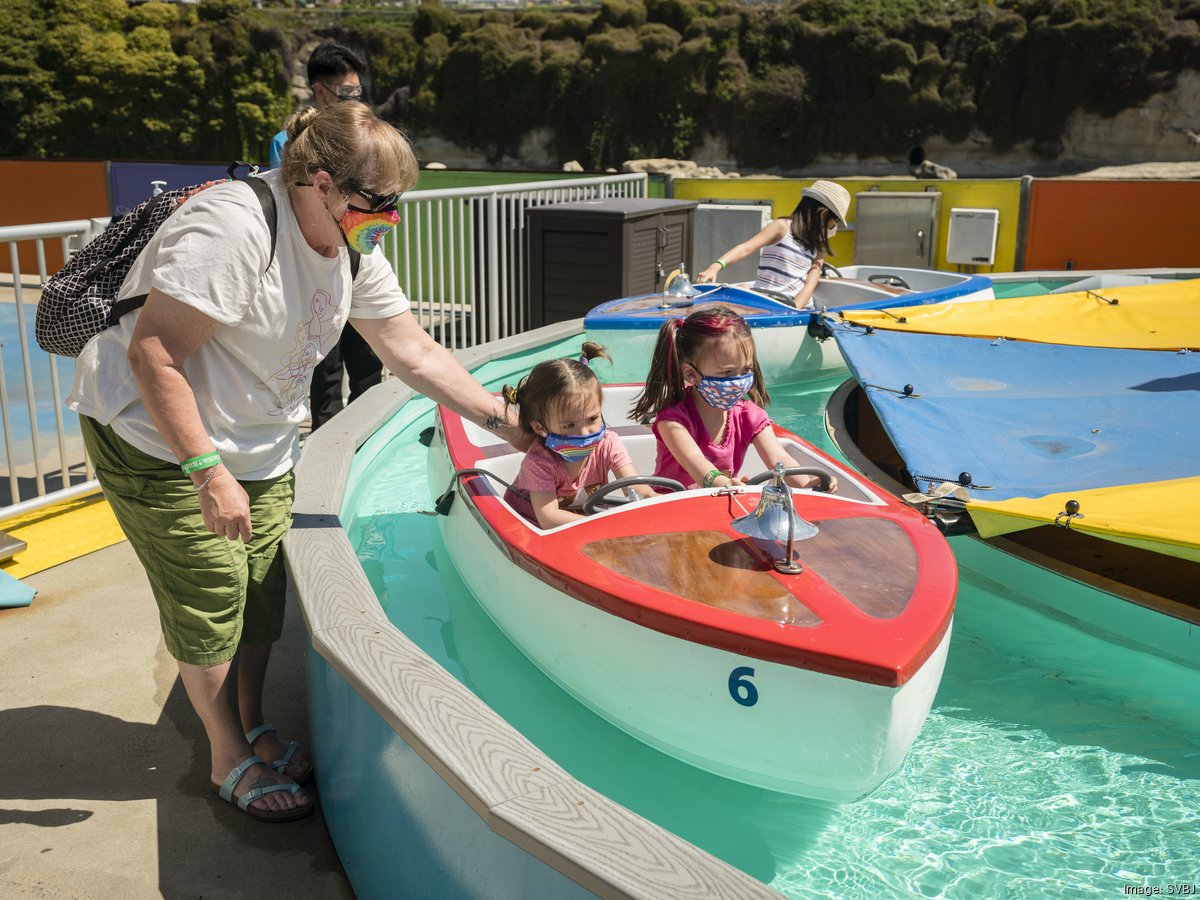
{"x": 559, "y": 404}
{"x": 792, "y": 249}
{"x": 705, "y": 394}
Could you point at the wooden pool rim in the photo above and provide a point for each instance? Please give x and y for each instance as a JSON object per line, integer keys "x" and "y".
{"x": 515, "y": 789}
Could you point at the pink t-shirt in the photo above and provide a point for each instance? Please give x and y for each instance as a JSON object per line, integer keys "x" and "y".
{"x": 745, "y": 421}
{"x": 544, "y": 471}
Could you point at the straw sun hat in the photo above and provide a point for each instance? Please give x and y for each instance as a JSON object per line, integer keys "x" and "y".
{"x": 833, "y": 195}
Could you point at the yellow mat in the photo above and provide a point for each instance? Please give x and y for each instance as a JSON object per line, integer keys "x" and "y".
{"x": 1144, "y": 317}
{"x": 61, "y": 533}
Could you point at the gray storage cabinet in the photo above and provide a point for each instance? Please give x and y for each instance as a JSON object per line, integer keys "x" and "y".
{"x": 588, "y": 251}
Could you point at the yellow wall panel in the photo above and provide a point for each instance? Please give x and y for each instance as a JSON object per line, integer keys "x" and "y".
{"x": 1003, "y": 195}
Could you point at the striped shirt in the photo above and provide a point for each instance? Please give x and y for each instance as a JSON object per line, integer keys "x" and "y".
{"x": 782, "y": 267}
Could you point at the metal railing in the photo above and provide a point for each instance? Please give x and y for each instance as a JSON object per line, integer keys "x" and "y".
{"x": 460, "y": 254}
{"x": 36, "y": 477}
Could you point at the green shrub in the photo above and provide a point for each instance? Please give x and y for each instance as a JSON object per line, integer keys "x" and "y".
{"x": 784, "y": 83}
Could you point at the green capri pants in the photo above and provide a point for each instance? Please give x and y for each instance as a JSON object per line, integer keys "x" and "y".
{"x": 212, "y": 593}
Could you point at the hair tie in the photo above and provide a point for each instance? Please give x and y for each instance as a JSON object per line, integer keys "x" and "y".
{"x": 583, "y": 360}
{"x": 510, "y": 393}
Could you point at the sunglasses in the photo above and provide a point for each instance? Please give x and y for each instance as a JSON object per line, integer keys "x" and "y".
{"x": 375, "y": 202}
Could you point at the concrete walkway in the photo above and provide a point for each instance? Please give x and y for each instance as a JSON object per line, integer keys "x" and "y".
{"x": 103, "y": 764}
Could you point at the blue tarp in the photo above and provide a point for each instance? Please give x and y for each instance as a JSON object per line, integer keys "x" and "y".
{"x": 1030, "y": 419}
{"x": 13, "y": 593}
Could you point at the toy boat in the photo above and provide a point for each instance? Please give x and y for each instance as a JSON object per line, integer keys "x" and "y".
{"x": 787, "y": 351}
{"x": 664, "y": 618}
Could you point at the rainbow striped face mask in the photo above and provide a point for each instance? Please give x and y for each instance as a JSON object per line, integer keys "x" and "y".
{"x": 364, "y": 230}
{"x": 574, "y": 448}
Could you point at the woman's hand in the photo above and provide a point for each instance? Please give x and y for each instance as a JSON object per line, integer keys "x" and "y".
{"x": 225, "y": 506}
{"x": 710, "y": 274}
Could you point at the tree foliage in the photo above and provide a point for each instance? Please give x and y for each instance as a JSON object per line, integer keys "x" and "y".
{"x": 782, "y": 82}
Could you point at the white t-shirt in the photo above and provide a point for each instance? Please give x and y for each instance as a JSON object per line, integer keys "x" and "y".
{"x": 251, "y": 379}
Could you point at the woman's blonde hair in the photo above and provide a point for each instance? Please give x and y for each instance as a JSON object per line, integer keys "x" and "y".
{"x": 352, "y": 144}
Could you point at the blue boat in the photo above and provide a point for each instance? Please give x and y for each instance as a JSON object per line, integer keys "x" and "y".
{"x": 787, "y": 349}
{"x": 1075, "y": 465}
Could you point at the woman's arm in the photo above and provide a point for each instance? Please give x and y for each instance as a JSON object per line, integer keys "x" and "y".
{"x": 426, "y": 366}
{"x": 770, "y": 451}
{"x": 772, "y": 234}
{"x": 166, "y": 334}
{"x": 687, "y": 453}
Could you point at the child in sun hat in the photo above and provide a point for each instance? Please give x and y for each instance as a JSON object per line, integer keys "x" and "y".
{"x": 793, "y": 248}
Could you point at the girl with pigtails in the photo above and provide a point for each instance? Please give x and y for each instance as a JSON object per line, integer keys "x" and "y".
{"x": 559, "y": 405}
{"x": 705, "y": 394}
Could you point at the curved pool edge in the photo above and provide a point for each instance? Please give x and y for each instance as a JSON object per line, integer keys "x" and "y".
{"x": 479, "y": 809}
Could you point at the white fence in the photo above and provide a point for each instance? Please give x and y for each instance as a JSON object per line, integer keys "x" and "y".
{"x": 460, "y": 255}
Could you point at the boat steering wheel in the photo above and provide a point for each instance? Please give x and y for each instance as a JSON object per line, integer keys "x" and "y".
{"x": 828, "y": 271}
{"x": 795, "y": 470}
{"x": 777, "y": 295}
{"x": 593, "y": 503}
{"x": 890, "y": 280}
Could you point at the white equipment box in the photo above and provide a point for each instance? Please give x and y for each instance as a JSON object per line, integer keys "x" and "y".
{"x": 972, "y": 236}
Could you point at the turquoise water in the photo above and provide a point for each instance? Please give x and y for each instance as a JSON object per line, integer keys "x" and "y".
{"x": 1053, "y": 764}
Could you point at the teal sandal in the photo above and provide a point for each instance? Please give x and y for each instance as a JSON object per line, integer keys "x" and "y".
{"x": 283, "y": 762}
{"x": 225, "y": 792}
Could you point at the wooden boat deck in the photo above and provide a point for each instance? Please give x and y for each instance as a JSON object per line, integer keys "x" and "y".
{"x": 736, "y": 575}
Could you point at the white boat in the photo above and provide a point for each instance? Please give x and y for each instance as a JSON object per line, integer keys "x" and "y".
{"x": 663, "y": 617}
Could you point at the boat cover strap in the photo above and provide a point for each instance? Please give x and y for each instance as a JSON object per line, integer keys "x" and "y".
{"x": 1159, "y": 516}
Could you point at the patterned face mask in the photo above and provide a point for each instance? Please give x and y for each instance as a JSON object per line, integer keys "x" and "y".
{"x": 574, "y": 448}
{"x": 724, "y": 393}
{"x": 364, "y": 230}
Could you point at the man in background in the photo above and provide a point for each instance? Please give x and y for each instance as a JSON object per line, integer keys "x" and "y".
{"x": 335, "y": 74}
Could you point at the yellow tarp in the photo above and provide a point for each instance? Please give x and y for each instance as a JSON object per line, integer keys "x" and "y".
{"x": 1145, "y": 317}
{"x": 1160, "y": 516}
{"x": 61, "y": 533}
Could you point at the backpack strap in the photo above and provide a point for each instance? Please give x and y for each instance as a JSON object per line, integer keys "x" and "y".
{"x": 268, "y": 204}
{"x": 267, "y": 198}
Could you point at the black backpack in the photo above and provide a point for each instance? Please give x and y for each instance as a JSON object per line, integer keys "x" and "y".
{"x": 80, "y": 299}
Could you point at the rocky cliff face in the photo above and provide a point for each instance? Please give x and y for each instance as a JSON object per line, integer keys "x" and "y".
{"x": 1163, "y": 130}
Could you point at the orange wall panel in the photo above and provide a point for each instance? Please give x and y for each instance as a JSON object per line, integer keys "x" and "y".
{"x": 40, "y": 191}
{"x": 1112, "y": 224}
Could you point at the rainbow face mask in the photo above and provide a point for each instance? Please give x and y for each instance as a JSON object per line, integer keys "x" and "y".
{"x": 364, "y": 230}
{"x": 574, "y": 448}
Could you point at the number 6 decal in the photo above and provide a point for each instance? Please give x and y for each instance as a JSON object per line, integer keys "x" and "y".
{"x": 741, "y": 688}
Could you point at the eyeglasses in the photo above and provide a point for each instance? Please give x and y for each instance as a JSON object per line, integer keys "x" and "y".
{"x": 375, "y": 202}
{"x": 344, "y": 91}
